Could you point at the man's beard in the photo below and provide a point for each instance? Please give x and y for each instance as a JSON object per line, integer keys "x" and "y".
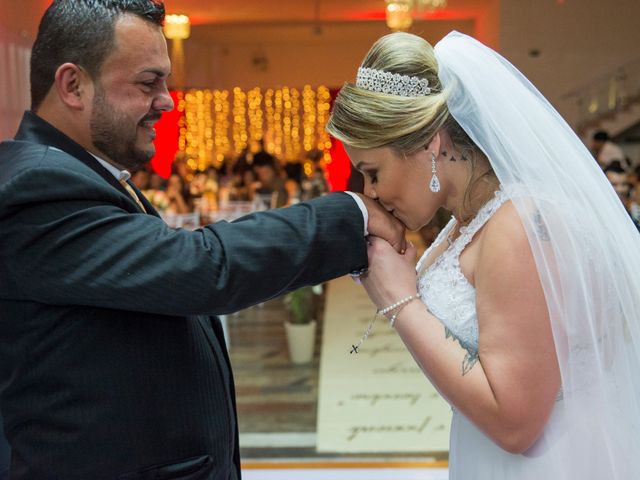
{"x": 115, "y": 134}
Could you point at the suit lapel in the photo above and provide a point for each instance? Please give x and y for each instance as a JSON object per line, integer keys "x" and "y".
{"x": 36, "y": 130}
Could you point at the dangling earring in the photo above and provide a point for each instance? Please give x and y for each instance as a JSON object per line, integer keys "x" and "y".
{"x": 434, "y": 184}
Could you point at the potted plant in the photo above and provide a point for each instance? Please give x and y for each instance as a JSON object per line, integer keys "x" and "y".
{"x": 300, "y": 326}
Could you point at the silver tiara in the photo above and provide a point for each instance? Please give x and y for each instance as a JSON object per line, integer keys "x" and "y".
{"x": 391, "y": 83}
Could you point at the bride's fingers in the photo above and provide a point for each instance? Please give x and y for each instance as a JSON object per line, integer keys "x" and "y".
{"x": 378, "y": 244}
{"x": 411, "y": 250}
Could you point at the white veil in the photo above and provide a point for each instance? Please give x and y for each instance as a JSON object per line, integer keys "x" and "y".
{"x": 587, "y": 252}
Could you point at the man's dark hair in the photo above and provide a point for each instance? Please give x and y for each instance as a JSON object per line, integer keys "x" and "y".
{"x": 80, "y": 32}
{"x": 615, "y": 167}
{"x": 601, "y": 135}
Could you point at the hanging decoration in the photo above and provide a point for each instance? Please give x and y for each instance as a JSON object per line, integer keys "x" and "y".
{"x": 287, "y": 122}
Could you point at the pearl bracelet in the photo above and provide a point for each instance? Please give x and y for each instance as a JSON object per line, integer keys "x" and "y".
{"x": 398, "y": 304}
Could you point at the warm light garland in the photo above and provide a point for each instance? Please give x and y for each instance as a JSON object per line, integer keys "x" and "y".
{"x": 277, "y": 124}
{"x": 198, "y": 129}
{"x": 270, "y": 112}
{"x": 286, "y": 122}
{"x": 323, "y": 107}
{"x": 308, "y": 117}
{"x": 240, "y": 136}
{"x": 256, "y": 116}
{"x": 221, "y": 131}
{"x": 289, "y": 121}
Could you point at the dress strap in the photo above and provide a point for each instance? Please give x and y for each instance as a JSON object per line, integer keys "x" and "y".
{"x": 483, "y": 215}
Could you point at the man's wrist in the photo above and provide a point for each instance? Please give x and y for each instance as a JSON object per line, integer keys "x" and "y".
{"x": 363, "y": 209}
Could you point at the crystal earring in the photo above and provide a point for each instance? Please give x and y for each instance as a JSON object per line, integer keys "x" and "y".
{"x": 434, "y": 184}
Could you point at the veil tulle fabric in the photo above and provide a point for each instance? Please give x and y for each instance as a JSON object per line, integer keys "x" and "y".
{"x": 587, "y": 252}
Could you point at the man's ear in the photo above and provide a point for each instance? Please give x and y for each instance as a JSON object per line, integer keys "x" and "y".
{"x": 71, "y": 84}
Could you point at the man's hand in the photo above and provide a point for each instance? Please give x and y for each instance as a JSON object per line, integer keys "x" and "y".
{"x": 384, "y": 225}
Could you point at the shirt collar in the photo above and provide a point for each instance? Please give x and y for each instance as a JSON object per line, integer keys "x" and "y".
{"x": 119, "y": 174}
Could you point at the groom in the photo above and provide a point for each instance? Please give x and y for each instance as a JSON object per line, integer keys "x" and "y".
{"x": 110, "y": 365}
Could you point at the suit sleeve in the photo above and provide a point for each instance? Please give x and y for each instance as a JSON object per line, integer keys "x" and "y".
{"x": 68, "y": 240}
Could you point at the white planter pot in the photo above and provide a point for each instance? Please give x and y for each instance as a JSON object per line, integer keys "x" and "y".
{"x": 301, "y": 340}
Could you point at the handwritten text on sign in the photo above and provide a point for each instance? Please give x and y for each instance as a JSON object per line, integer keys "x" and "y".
{"x": 377, "y": 400}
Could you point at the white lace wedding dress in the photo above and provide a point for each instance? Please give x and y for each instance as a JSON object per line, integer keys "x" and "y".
{"x": 452, "y": 299}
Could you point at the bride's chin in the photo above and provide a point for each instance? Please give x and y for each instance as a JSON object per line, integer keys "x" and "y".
{"x": 410, "y": 226}
{"x": 415, "y": 227}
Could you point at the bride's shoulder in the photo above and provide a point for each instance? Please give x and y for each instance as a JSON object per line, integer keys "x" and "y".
{"x": 505, "y": 228}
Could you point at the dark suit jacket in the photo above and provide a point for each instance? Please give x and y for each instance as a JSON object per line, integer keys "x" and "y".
{"x": 110, "y": 366}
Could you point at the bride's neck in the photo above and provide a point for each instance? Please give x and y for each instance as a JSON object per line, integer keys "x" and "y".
{"x": 474, "y": 191}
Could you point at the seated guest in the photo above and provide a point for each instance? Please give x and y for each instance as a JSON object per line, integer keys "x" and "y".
{"x": 141, "y": 178}
{"x": 605, "y": 151}
{"x": 634, "y": 195}
{"x": 177, "y": 195}
{"x": 271, "y": 186}
{"x": 316, "y": 184}
{"x": 620, "y": 182}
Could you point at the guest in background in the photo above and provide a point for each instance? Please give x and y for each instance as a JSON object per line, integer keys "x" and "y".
{"x": 177, "y": 195}
{"x": 634, "y": 195}
{"x": 140, "y": 178}
{"x": 156, "y": 192}
{"x": 270, "y": 184}
{"x": 315, "y": 185}
{"x": 292, "y": 186}
{"x": 262, "y": 157}
{"x": 156, "y": 182}
{"x": 605, "y": 151}
{"x": 619, "y": 180}
{"x": 180, "y": 167}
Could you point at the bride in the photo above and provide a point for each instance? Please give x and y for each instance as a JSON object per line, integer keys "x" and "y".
{"x": 524, "y": 313}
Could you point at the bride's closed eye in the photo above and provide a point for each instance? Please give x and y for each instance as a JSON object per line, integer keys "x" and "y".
{"x": 373, "y": 175}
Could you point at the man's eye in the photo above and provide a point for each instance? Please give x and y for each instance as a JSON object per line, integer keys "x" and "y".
{"x": 149, "y": 84}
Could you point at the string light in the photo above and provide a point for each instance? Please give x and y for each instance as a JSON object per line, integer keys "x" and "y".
{"x": 308, "y": 117}
{"x": 198, "y": 129}
{"x": 240, "y": 136}
{"x": 286, "y": 122}
{"x": 323, "y": 106}
{"x": 254, "y": 100}
{"x": 221, "y": 132}
{"x": 289, "y": 121}
{"x": 270, "y": 112}
{"x": 277, "y": 123}
{"x": 295, "y": 125}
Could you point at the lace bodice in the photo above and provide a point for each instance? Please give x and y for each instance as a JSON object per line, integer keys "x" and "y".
{"x": 445, "y": 290}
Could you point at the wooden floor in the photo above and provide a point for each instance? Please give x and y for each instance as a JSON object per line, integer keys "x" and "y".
{"x": 277, "y": 401}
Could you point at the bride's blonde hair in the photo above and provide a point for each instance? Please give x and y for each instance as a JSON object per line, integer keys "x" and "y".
{"x": 365, "y": 119}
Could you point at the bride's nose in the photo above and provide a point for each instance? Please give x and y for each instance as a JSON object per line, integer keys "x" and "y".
{"x": 369, "y": 191}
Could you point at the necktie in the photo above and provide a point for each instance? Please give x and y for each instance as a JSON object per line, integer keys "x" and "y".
{"x": 133, "y": 194}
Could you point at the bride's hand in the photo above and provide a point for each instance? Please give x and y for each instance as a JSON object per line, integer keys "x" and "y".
{"x": 391, "y": 276}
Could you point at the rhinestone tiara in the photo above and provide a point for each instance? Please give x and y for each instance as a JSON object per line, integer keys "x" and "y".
{"x": 391, "y": 83}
